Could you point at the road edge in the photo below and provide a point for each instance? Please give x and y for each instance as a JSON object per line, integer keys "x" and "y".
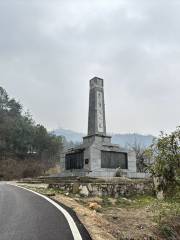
{"x": 74, "y": 229}
{"x": 82, "y": 229}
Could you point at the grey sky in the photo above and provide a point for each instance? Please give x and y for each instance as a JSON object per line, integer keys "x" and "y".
{"x": 50, "y": 49}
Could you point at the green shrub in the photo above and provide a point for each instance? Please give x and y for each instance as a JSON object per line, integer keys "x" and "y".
{"x": 168, "y": 232}
{"x": 106, "y": 202}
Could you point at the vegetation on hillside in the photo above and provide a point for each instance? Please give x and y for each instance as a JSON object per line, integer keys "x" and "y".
{"x": 22, "y": 140}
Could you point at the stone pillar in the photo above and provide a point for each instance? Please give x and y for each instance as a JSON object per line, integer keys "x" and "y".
{"x": 96, "y": 120}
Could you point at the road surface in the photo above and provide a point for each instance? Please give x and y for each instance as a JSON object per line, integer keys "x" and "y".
{"x": 27, "y": 216}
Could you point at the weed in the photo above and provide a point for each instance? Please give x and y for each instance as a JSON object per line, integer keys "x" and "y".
{"x": 106, "y": 202}
{"x": 123, "y": 203}
{"x": 167, "y": 232}
{"x": 137, "y": 201}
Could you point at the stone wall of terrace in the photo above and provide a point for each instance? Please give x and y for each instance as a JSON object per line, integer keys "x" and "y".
{"x": 113, "y": 189}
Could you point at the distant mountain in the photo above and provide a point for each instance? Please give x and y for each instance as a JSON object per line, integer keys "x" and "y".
{"x": 128, "y": 139}
{"x": 124, "y": 140}
{"x": 69, "y": 135}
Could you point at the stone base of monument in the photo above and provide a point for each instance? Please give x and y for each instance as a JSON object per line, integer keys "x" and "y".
{"x": 97, "y": 157}
{"x": 104, "y": 173}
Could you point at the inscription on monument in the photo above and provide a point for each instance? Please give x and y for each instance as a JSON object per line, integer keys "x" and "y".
{"x": 97, "y": 123}
{"x": 100, "y": 122}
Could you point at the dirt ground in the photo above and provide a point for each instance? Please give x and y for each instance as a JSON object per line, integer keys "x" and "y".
{"x": 112, "y": 222}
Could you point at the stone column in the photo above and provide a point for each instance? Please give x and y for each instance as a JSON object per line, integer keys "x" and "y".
{"x": 96, "y": 120}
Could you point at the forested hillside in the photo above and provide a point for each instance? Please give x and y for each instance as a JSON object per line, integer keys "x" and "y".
{"x": 22, "y": 141}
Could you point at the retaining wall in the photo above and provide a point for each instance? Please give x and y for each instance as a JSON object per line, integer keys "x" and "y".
{"x": 105, "y": 189}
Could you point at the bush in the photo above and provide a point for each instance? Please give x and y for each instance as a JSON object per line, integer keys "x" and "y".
{"x": 12, "y": 169}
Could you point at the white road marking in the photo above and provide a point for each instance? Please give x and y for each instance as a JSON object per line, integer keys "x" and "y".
{"x": 75, "y": 232}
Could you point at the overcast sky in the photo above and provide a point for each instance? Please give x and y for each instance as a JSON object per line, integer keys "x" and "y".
{"x": 49, "y": 49}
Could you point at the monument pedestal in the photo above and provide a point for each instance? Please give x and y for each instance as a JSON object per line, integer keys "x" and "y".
{"x": 97, "y": 138}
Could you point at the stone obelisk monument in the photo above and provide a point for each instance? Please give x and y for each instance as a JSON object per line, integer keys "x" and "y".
{"x": 96, "y": 120}
{"x": 96, "y": 156}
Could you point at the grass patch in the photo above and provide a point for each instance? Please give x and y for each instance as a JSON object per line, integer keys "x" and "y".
{"x": 123, "y": 203}
{"x": 142, "y": 200}
{"x": 167, "y": 232}
{"x": 136, "y": 201}
{"x": 106, "y": 202}
{"x": 164, "y": 210}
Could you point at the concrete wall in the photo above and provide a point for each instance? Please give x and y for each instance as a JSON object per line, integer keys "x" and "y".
{"x": 132, "y": 161}
{"x": 87, "y": 156}
{"x": 95, "y": 151}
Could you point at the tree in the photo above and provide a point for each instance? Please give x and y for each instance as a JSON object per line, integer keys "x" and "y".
{"x": 40, "y": 142}
{"x": 20, "y": 137}
{"x": 166, "y": 154}
{"x": 14, "y": 108}
{"x": 140, "y": 156}
{"x": 3, "y": 99}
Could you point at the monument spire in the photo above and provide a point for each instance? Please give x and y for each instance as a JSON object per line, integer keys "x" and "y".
{"x": 96, "y": 120}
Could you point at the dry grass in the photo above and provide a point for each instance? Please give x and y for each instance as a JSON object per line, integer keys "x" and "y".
{"x": 16, "y": 169}
{"x": 53, "y": 170}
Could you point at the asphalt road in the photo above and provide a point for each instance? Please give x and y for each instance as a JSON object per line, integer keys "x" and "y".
{"x": 27, "y": 216}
